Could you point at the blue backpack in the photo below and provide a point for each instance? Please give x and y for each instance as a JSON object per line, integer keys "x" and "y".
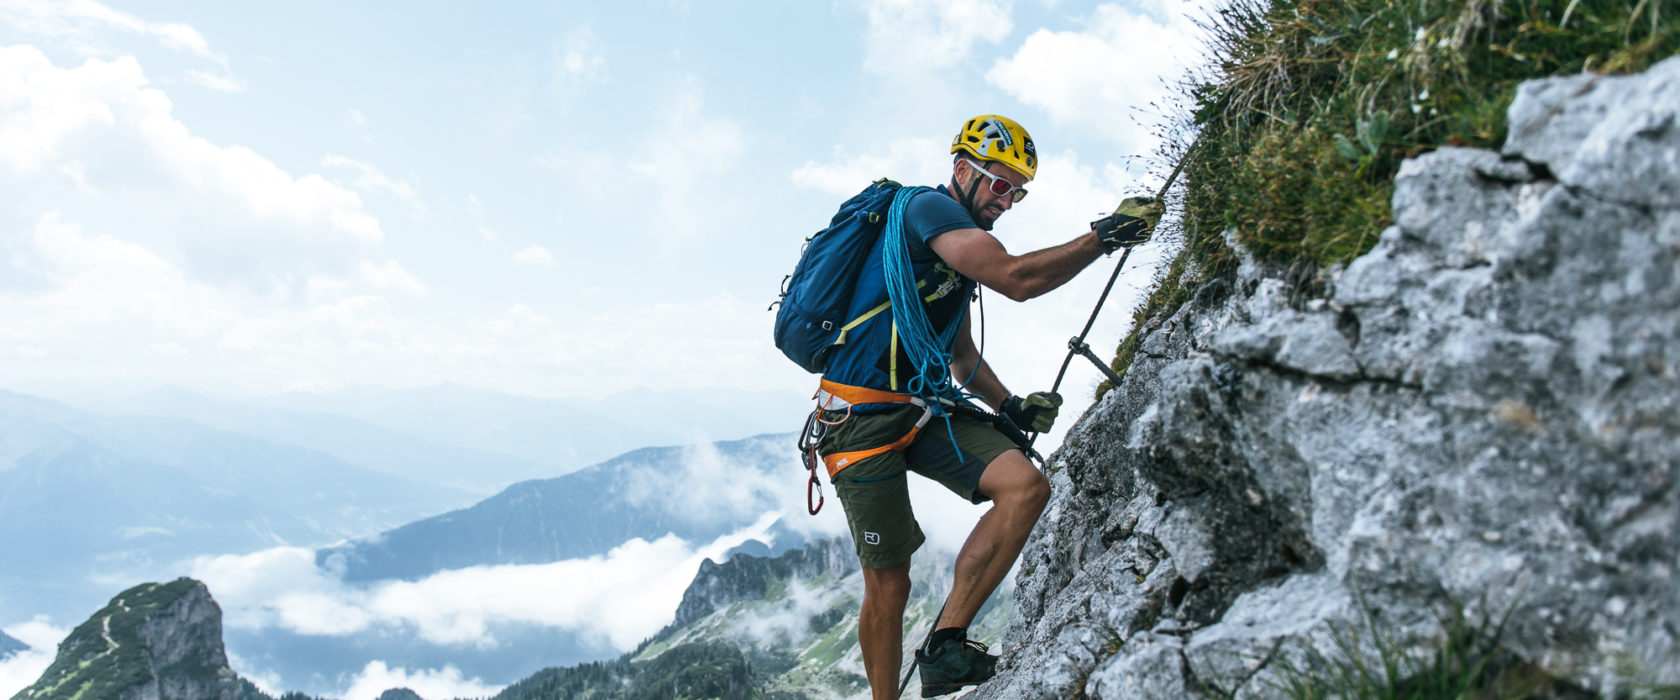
{"x": 816, "y": 297}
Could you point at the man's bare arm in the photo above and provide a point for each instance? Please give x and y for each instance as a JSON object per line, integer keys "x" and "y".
{"x": 980, "y": 256}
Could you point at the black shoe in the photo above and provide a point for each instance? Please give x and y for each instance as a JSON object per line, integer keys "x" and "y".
{"x": 954, "y": 665}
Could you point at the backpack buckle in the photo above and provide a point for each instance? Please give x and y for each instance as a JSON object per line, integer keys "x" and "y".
{"x": 828, "y": 325}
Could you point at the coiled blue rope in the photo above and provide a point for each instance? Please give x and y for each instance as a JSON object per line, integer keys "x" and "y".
{"x": 929, "y": 352}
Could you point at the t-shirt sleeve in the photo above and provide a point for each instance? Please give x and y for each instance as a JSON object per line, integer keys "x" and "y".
{"x": 930, "y": 214}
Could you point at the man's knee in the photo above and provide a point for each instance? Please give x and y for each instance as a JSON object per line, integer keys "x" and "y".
{"x": 1035, "y": 494}
{"x": 888, "y": 584}
{"x": 1012, "y": 480}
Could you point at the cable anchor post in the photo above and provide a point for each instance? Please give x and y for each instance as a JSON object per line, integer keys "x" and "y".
{"x": 1077, "y": 346}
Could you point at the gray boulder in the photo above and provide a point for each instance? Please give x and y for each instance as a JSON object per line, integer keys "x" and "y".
{"x": 1481, "y": 417}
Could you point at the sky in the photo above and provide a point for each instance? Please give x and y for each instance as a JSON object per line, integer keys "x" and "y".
{"x": 554, "y": 199}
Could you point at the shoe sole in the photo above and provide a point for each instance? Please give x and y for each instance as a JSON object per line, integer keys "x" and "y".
{"x": 934, "y": 691}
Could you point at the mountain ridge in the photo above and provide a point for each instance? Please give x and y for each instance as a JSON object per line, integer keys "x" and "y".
{"x": 583, "y": 513}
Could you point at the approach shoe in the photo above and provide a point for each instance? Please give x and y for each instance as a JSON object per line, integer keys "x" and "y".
{"x": 954, "y": 665}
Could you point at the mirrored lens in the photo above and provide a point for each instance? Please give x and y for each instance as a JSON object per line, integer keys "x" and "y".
{"x": 1000, "y": 186}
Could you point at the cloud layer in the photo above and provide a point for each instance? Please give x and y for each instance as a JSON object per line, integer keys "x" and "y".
{"x": 618, "y": 598}
{"x": 1105, "y": 79}
{"x": 22, "y": 669}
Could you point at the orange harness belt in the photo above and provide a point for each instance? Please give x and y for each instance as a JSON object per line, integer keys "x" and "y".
{"x": 832, "y": 396}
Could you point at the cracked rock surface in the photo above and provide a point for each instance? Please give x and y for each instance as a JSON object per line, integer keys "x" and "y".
{"x": 1481, "y": 414}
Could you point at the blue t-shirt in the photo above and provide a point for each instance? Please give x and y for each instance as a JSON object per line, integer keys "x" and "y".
{"x": 869, "y": 353}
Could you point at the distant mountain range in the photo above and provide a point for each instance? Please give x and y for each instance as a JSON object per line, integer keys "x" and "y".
{"x": 365, "y": 444}
{"x": 88, "y": 500}
{"x": 10, "y": 645}
{"x": 647, "y": 493}
{"x": 696, "y": 492}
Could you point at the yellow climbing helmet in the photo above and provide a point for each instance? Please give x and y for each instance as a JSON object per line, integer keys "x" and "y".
{"x": 991, "y": 137}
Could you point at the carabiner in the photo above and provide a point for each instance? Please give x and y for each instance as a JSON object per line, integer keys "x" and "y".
{"x": 816, "y": 486}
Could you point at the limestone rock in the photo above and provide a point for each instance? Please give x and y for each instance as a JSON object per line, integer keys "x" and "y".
{"x": 1482, "y": 414}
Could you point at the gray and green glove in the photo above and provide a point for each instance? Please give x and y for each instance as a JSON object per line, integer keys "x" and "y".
{"x": 1036, "y": 413}
{"x": 1130, "y": 224}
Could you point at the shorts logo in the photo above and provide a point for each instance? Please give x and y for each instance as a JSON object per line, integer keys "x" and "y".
{"x": 871, "y": 538}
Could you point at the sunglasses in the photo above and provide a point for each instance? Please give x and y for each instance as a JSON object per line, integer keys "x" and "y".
{"x": 998, "y": 185}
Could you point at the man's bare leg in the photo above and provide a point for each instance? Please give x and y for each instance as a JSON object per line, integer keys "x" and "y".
{"x": 881, "y": 626}
{"x": 1019, "y": 493}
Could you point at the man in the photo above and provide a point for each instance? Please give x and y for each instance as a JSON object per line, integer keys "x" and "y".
{"x": 874, "y": 434}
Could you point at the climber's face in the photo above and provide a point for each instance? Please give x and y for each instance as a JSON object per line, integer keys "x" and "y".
{"x": 999, "y": 188}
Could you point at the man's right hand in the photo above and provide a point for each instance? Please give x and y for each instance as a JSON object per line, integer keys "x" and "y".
{"x": 1130, "y": 224}
{"x": 1036, "y": 413}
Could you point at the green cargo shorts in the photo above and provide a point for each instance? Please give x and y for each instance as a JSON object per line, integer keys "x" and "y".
{"x": 875, "y": 492}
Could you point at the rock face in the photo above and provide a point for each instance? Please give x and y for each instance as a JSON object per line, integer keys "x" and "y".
{"x": 1481, "y": 415}
{"x": 748, "y": 577}
{"x": 152, "y": 642}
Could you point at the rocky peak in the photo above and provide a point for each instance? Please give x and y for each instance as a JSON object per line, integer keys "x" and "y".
{"x": 10, "y": 645}
{"x": 748, "y": 577}
{"x": 1481, "y": 417}
{"x": 150, "y": 642}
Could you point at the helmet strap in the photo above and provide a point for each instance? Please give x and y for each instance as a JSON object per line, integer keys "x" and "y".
{"x": 967, "y": 198}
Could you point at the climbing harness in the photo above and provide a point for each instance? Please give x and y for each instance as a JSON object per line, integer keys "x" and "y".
{"x": 833, "y": 397}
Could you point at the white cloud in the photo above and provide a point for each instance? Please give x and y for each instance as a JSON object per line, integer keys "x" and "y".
{"x": 82, "y": 26}
{"x": 531, "y": 256}
{"x": 97, "y": 135}
{"x": 713, "y": 490}
{"x": 97, "y": 295}
{"x": 355, "y": 119}
{"x": 22, "y": 669}
{"x": 689, "y": 144}
{"x": 579, "y": 60}
{"x": 222, "y": 83}
{"x": 619, "y": 598}
{"x": 371, "y": 180}
{"x": 910, "y": 160}
{"x": 927, "y": 35}
{"x": 78, "y": 19}
{"x": 447, "y": 682}
{"x": 391, "y": 276}
{"x": 1095, "y": 79}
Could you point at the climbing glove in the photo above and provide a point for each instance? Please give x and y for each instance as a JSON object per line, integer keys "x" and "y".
{"x": 1130, "y": 224}
{"x": 1036, "y": 413}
